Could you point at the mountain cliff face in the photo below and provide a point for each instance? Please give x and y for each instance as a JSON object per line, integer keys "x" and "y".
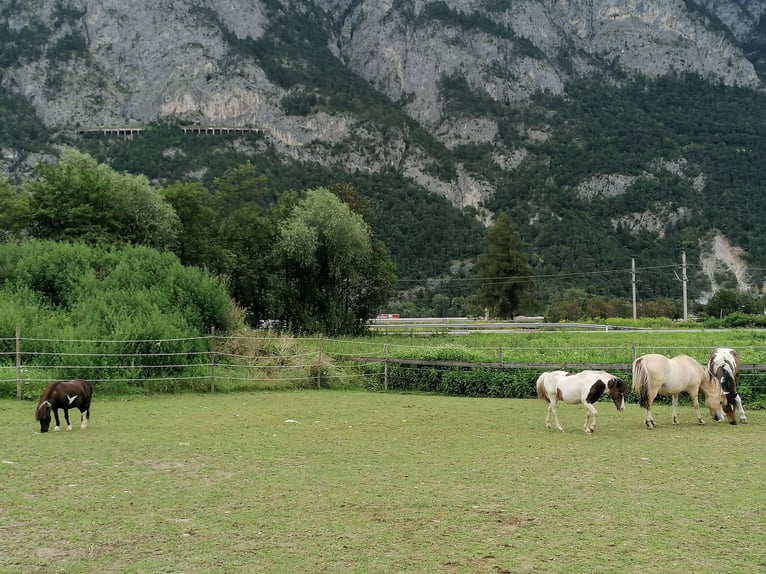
{"x": 287, "y": 68}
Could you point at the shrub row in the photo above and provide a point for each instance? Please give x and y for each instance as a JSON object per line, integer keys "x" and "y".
{"x": 520, "y": 383}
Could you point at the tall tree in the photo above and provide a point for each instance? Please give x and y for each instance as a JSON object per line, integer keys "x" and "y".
{"x": 199, "y": 242}
{"x": 503, "y": 268}
{"x": 240, "y": 186}
{"x": 334, "y": 273}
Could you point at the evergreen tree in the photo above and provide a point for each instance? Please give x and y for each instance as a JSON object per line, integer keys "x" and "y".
{"x": 503, "y": 268}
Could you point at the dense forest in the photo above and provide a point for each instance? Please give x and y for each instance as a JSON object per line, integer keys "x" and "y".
{"x": 714, "y": 133}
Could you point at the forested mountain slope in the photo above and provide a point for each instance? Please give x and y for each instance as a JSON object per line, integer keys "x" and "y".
{"x": 609, "y": 130}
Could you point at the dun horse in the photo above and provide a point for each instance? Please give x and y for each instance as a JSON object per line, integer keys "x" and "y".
{"x": 724, "y": 364}
{"x": 586, "y": 388}
{"x": 64, "y": 395}
{"x": 655, "y": 374}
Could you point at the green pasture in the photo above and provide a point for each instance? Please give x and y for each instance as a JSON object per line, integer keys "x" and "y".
{"x": 360, "y": 482}
{"x": 612, "y": 346}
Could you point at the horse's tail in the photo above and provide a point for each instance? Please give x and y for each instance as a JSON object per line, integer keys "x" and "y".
{"x": 541, "y": 393}
{"x": 641, "y": 382}
{"x": 87, "y": 392}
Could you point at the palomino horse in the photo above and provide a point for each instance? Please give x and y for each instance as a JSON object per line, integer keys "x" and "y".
{"x": 64, "y": 395}
{"x": 586, "y": 388}
{"x": 655, "y": 374}
{"x": 724, "y": 364}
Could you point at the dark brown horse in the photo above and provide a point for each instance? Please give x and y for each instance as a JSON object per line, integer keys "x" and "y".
{"x": 64, "y": 395}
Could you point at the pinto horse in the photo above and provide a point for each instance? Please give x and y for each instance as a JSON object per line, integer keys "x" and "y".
{"x": 64, "y": 395}
{"x": 724, "y": 364}
{"x": 585, "y": 388}
{"x": 655, "y": 374}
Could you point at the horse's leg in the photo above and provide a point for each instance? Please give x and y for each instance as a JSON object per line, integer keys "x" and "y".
{"x": 696, "y": 403}
{"x": 66, "y": 416}
{"x": 58, "y": 423}
{"x": 648, "y": 418}
{"x": 555, "y": 411}
{"x": 590, "y": 418}
{"x": 675, "y": 409}
{"x": 548, "y": 413}
{"x": 84, "y": 423}
{"x": 742, "y": 416}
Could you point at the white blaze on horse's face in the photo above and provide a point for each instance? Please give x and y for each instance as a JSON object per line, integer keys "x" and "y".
{"x": 617, "y": 389}
{"x": 716, "y": 402}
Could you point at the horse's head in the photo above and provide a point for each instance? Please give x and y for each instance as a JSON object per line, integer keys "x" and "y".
{"x": 43, "y": 414}
{"x": 617, "y": 389}
{"x": 715, "y": 397}
{"x": 729, "y": 388}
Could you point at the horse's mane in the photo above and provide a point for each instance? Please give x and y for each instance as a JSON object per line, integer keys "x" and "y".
{"x": 47, "y": 392}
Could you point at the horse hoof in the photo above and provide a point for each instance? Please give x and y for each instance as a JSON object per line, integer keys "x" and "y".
{"x": 56, "y": 429}
{"x": 69, "y": 428}
{"x": 588, "y": 431}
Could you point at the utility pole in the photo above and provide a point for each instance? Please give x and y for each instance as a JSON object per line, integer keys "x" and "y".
{"x": 633, "y": 283}
{"x": 683, "y": 277}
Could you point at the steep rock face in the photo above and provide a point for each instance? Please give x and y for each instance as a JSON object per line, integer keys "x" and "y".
{"x": 142, "y": 64}
{"x": 171, "y": 58}
{"x": 108, "y": 63}
{"x": 406, "y": 48}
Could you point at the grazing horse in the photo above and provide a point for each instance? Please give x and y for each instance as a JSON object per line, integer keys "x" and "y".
{"x": 64, "y": 395}
{"x": 655, "y": 374}
{"x": 585, "y": 388}
{"x": 724, "y": 364}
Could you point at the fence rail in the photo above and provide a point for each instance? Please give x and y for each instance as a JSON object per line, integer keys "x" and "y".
{"x": 242, "y": 362}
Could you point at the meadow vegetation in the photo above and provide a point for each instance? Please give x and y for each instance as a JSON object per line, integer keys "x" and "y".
{"x": 347, "y": 482}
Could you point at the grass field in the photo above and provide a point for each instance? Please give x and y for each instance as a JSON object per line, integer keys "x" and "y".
{"x": 340, "y": 482}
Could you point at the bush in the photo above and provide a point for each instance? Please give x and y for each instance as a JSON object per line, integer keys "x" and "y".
{"x": 472, "y": 382}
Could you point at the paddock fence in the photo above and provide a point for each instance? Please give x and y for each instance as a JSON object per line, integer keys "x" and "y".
{"x": 265, "y": 360}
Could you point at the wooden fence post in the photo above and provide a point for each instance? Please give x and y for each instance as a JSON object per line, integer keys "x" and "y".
{"x": 212, "y": 359}
{"x": 19, "y": 394}
{"x": 385, "y": 367}
{"x": 319, "y": 366}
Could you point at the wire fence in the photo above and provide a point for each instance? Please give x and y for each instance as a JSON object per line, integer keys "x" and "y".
{"x": 267, "y": 360}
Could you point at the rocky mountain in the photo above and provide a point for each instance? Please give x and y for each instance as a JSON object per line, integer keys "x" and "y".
{"x": 491, "y": 104}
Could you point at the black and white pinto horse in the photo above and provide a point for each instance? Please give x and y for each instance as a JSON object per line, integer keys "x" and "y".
{"x": 655, "y": 374}
{"x": 586, "y": 388}
{"x": 64, "y": 395}
{"x": 724, "y": 364}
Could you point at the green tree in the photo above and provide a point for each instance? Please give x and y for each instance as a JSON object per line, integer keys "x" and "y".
{"x": 334, "y": 274}
{"x": 14, "y": 211}
{"x": 77, "y": 198}
{"x": 240, "y": 186}
{"x": 503, "y": 268}
{"x": 199, "y": 242}
{"x": 250, "y": 235}
{"x": 726, "y": 301}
